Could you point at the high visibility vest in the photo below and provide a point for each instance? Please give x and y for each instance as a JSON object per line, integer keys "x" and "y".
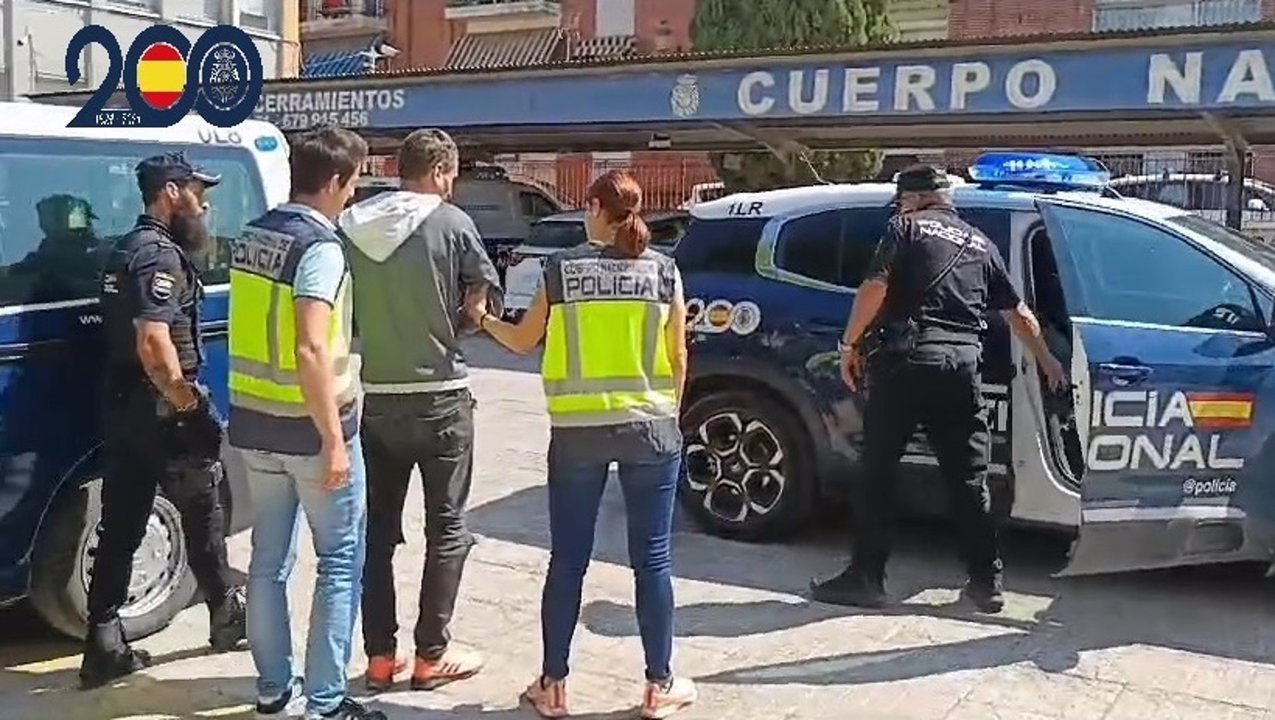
{"x": 605, "y": 359}
{"x": 265, "y": 389}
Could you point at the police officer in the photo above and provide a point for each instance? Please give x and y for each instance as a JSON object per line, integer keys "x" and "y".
{"x": 916, "y": 328}
{"x": 160, "y": 430}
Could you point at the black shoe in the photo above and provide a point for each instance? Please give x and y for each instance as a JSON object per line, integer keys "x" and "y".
{"x": 107, "y": 657}
{"x": 228, "y": 622}
{"x": 987, "y": 595}
{"x": 350, "y": 710}
{"x": 290, "y": 704}
{"x": 851, "y": 587}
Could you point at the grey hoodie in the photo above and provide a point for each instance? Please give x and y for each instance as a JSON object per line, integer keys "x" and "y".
{"x": 412, "y": 258}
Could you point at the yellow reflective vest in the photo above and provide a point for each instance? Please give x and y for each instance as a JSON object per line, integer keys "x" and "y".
{"x": 267, "y": 408}
{"x": 605, "y": 359}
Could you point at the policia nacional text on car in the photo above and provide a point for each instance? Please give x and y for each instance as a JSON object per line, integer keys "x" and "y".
{"x": 160, "y": 428}
{"x": 918, "y": 321}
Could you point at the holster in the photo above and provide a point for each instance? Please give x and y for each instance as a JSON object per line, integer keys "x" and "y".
{"x": 898, "y": 337}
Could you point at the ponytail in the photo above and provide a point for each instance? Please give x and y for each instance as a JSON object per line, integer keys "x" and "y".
{"x": 632, "y": 236}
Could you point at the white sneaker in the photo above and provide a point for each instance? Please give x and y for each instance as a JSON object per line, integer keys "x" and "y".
{"x": 291, "y": 704}
{"x": 662, "y": 700}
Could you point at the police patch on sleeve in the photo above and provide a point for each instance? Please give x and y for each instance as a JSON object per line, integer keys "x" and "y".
{"x": 162, "y": 285}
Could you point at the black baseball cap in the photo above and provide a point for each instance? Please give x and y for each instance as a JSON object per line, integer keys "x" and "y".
{"x": 159, "y": 170}
{"x": 920, "y": 178}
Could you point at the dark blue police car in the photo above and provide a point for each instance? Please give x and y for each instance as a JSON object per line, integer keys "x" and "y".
{"x": 1158, "y": 456}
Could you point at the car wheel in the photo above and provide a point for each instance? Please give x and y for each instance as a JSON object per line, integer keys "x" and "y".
{"x": 161, "y": 584}
{"x": 747, "y": 472}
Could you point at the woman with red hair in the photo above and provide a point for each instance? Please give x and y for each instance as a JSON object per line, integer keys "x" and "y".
{"x": 613, "y": 318}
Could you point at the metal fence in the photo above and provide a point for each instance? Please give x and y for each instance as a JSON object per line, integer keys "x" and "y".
{"x": 667, "y": 182}
{"x": 324, "y": 9}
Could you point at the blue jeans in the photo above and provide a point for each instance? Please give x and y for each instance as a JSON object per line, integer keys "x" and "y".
{"x": 282, "y": 484}
{"x": 575, "y": 494}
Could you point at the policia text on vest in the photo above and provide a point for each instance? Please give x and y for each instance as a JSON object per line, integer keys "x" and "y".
{"x": 602, "y": 278}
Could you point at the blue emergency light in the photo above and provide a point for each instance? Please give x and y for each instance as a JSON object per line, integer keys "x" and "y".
{"x": 1039, "y": 170}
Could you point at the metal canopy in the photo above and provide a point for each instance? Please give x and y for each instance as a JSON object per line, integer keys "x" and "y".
{"x": 1192, "y": 87}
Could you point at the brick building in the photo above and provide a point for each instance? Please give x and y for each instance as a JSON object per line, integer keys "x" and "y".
{"x": 517, "y": 33}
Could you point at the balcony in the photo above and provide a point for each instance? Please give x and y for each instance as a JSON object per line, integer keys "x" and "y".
{"x": 1116, "y": 15}
{"x": 505, "y": 15}
{"x": 341, "y": 18}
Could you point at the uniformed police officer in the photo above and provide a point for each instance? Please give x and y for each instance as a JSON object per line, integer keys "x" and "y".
{"x": 160, "y": 431}
{"x": 918, "y": 321}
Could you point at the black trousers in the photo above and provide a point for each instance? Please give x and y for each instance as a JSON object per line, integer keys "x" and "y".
{"x": 434, "y": 432}
{"x": 938, "y": 387}
{"x": 138, "y": 462}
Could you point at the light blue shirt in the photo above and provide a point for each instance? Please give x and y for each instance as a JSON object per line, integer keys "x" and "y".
{"x": 322, "y": 266}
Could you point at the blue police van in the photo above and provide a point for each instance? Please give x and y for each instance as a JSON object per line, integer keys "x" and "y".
{"x": 66, "y": 194}
{"x": 1158, "y": 455}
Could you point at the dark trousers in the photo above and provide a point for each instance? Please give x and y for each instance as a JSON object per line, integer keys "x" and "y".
{"x": 138, "y": 462}
{"x": 938, "y": 387}
{"x": 434, "y": 432}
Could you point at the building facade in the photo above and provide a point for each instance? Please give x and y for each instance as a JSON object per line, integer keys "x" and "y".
{"x": 36, "y": 34}
{"x": 476, "y": 34}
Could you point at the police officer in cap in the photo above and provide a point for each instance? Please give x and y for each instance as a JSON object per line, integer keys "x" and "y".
{"x": 916, "y": 329}
{"x": 161, "y": 432}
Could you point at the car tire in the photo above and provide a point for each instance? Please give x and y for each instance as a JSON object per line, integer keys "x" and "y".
{"x": 64, "y": 554}
{"x": 747, "y": 471}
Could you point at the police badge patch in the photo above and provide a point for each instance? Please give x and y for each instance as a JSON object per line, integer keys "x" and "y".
{"x": 162, "y": 285}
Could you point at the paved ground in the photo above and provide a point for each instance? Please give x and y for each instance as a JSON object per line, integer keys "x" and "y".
{"x": 1184, "y": 644}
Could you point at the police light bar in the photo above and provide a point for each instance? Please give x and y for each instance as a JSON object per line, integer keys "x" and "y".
{"x": 1040, "y": 169}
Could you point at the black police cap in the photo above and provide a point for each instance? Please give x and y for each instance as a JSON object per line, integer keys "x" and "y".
{"x": 160, "y": 170}
{"x": 921, "y": 178}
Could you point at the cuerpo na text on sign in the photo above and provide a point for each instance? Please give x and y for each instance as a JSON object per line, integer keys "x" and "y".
{"x": 347, "y": 108}
{"x": 1029, "y": 84}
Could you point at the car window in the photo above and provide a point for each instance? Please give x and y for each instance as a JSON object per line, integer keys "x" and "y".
{"x": 556, "y": 234}
{"x": 1127, "y": 270}
{"x": 59, "y": 218}
{"x": 726, "y": 246}
{"x": 810, "y": 246}
{"x": 993, "y": 222}
{"x": 667, "y": 232}
{"x": 535, "y": 205}
{"x": 860, "y": 236}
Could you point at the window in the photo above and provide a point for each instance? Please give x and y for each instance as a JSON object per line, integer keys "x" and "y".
{"x": 992, "y": 222}
{"x": 727, "y": 247}
{"x": 665, "y": 233}
{"x": 535, "y": 206}
{"x": 1124, "y": 269}
{"x": 810, "y": 246}
{"x": 557, "y": 234}
{"x": 58, "y": 219}
{"x": 835, "y": 246}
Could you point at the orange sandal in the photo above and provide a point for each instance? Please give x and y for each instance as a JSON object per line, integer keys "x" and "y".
{"x": 381, "y": 671}
{"x": 547, "y": 697}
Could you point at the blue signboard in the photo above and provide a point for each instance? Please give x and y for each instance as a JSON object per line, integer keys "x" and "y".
{"x": 1211, "y": 76}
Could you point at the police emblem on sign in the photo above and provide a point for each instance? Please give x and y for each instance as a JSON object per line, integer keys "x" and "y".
{"x": 162, "y": 285}
{"x": 685, "y": 97}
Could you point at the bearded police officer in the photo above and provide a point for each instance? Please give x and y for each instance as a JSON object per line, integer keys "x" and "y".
{"x": 160, "y": 430}
{"x": 916, "y": 328}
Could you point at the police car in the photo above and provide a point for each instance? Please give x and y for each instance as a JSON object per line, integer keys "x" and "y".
{"x": 1159, "y": 454}
{"x": 66, "y": 195}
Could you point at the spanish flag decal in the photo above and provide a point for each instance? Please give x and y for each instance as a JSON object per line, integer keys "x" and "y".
{"x": 161, "y": 76}
{"x": 1219, "y": 411}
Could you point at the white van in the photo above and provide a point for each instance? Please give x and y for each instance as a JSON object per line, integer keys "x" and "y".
{"x": 66, "y": 196}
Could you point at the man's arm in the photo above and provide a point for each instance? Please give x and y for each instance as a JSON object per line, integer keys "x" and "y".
{"x": 318, "y": 280}
{"x": 156, "y": 276}
{"x": 1003, "y": 297}
{"x": 871, "y": 294}
{"x": 477, "y": 273}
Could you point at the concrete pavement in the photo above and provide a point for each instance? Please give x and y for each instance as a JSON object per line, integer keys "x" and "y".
{"x": 1182, "y": 644}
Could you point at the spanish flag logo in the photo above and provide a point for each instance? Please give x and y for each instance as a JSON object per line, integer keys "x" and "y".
{"x": 1221, "y": 411}
{"x": 161, "y": 76}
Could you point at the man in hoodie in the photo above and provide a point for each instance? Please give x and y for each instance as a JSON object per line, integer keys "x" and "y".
{"x": 418, "y": 265}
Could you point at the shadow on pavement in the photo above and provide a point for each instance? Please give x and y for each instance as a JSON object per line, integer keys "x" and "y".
{"x": 1223, "y": 611}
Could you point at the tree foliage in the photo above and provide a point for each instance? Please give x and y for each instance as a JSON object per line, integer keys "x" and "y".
{"x": 771, "y": 25}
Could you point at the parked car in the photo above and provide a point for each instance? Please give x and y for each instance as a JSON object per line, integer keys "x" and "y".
{"x": 565, "y": 230}
{"x": 1205, "y": 195}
